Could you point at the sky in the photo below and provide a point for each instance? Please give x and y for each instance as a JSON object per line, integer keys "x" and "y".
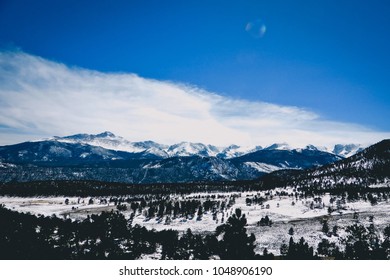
{"x": 218, "y": 72}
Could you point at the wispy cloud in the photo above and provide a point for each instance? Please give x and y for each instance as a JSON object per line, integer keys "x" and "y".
{"x": 41, "y": 98}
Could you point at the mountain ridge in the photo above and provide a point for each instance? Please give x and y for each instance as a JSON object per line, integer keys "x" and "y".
{"x": 85, "y": 156}
{"x": 369, "y": 168}
{"x": 110, "y": 141}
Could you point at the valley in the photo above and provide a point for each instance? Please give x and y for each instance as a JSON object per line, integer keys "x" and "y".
{"x": 283, "y": 207}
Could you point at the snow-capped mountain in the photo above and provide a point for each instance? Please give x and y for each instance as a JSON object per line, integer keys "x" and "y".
{"x": 185, "y": 149}
{"x": 279, "y": 146}
{"x": 233, "y": 151}
{"x": 342, "y": 150}
{"x": 108, "y": 157}
{"x": 314, "y": 148}
{"x": 268, "y": 160}
{"x": 347, "y": 150}
{"x": 54, "y": 153}
{"x": 110, "y": 141}
{"x": 369, "y": 168}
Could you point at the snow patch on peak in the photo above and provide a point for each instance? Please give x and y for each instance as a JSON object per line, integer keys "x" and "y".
{"x": 235, "y": 151}
{"x": 185, "y": 149}
{"x": 110, "y": 141}
{"x": 311, "y": 148}
{"x": 279, "y": 146}
{"x": 347, "y": 150}
{"x": 105, "y": 134}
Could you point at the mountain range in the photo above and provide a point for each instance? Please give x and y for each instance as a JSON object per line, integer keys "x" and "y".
{"x": 108, "y": 157}
{"x": 110, "y": 141}
{"x": 369, "y": 168}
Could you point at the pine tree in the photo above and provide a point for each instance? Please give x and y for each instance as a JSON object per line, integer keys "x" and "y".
{"x": 200, "y": 213}
{"x": 300, "y": 250}
{"x": 356, "y": 243}
{"x": 284, "y": 249}
{"x": 325, "y": 227}
{"x": 236, "y": 244}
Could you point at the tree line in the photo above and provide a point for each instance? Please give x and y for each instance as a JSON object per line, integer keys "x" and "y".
{"x": 87, "y": 188}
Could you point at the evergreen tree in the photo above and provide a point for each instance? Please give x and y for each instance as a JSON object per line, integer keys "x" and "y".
{"x": 284, "y": 249}
{"x": 356, "y": 243}
{"x": 235, "y": 243}
{"x": 329, "y": 249}
{"x": 334, "y": 230}
{"x": 300, "y": 250}
{"x": 169, "y": 242}
{"x": 200, "y": 213}
{"x": 325, "y": 227}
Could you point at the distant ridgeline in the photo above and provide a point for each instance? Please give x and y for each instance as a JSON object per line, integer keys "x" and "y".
{"x": 93, "y": 161}
{"x": 367, "y": 170}
{"x": 109, "y": 158}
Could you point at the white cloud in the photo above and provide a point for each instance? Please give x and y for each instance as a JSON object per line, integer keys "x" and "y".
{"x": 41, "y": 98}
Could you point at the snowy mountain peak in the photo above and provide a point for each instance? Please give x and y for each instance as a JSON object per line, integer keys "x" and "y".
{"x": 149, "y": 145}
{"x": 106, "y": 134}
{"x": 312, "y": 148}
{"x": 347, "y": 150}
{"x": 83, "y": 137}
{"x": 279, "y": 146}
{"x": 232, "y": 147}
{"x": 190, "y": 149}
{"x": 235, "y": 151}
{"x": 110, "y": 141}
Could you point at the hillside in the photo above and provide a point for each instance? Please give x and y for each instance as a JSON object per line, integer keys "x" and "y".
{"x": 368, "y": 168}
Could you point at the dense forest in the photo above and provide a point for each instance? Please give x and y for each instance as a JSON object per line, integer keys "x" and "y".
{"x": 99, "y": 188}
{"x": 111, "y": 236}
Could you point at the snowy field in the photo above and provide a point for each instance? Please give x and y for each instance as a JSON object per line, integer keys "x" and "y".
{"x": 304, "y": 215}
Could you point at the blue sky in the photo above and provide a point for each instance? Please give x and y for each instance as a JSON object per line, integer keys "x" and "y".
{"x": 330, "y": 58}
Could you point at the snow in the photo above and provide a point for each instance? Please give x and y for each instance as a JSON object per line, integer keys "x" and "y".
{"x": 262, "y": 167}
{"x": 117, "y": 144}
{"x": 48, "y": 206}
{"x": 304, "y": 215}
{"x": 184, "y": 149}
{"x": 157, "y": 152}
{"x": 152, "y": 166}
{"x": 235, "y": 151}
{"x": 279, "y": 146}
{"x": 6, "y": 165}
{"x": 108, "y": 140}
{"x": 347, "y": 150}
{"x": 385, "y": 184}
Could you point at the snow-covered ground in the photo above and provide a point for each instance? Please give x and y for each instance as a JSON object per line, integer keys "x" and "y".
{"x": 303, "y": 215}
